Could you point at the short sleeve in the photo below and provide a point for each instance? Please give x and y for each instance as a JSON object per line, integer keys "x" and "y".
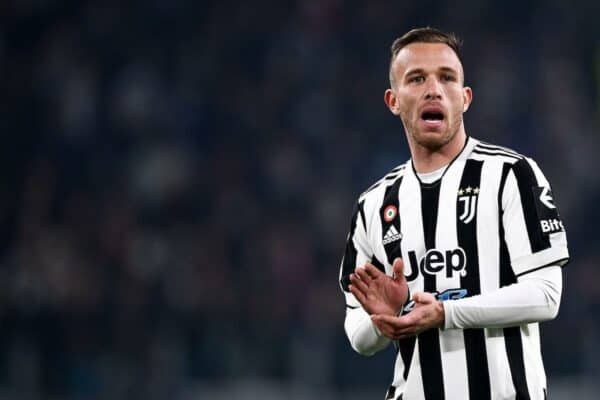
{"x": 533, "y": 230}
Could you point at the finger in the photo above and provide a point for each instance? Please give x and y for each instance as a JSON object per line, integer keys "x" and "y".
{"x": 385, "y": 329}
{"x": 360, "y": 296}
{"x": 398, "y": 268}
{"x": 392, "y": 331}
{"x": 416, "y": 296}
{"x": 373, "y": 271}
{"x": 423, "y": 298}
{"x": 359, "y": 284}
{"x": 362, "y": 273}
{"x": 388, "y": 321}
{"x": 414, "y": 323}
{"x": 408, "y": 331}
{"x": 398, "y": 323}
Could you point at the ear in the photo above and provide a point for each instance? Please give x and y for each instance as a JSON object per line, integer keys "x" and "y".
{"x": 467, "y": 98}
{"x": 390, "y": 99}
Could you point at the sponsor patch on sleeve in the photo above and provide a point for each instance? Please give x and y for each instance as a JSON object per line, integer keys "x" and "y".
{"x": 546, "y": 210}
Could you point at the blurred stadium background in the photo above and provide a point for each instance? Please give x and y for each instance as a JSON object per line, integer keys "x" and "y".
{"x": 178, "y": 178}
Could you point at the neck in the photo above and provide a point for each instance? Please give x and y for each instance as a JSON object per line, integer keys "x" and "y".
{"x": 427, "y": 160}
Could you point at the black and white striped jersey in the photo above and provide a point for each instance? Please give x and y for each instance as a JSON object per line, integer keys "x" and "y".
{"x": 488, "y": 220}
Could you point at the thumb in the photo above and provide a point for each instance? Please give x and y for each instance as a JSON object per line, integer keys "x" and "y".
{"x": 422, "y": 298}
{"x": 398, "y": 269}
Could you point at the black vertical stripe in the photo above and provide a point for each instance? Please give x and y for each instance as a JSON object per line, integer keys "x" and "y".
{"x": 512, "y": 335}
{"x": 429, "y": 341}
{"x": 349, "y": 260}
{"x": 507, "y": 276}
{"x": 514, "y": 352}
{"x": 390, "y": 199}
{"x": 378, "y": 264}
{"x": 430, "y": 196}
{"x": 391, "y": 392}
{"x": 407, "y": 349}
{"x": 527, "y": 181}
{"x": 361, "y": 211}
{"x": 475, "y": 349}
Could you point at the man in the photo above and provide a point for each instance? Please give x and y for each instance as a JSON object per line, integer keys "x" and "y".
{"x": 456, "y": 255}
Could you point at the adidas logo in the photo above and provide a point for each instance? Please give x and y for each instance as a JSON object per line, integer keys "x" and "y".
{"x": 391, "y": 235}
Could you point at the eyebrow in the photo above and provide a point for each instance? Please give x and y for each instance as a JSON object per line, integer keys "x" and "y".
{"x": 448, "y": 69}
{"x": 421, "y": 70}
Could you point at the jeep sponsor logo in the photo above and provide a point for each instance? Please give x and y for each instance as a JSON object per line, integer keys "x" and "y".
{"x": 436, "y": 261}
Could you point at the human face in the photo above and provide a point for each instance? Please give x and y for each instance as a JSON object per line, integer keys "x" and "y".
{"x": 428, "y": 94}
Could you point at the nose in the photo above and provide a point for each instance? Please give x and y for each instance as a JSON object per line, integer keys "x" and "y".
{"x": 433, "y": 90}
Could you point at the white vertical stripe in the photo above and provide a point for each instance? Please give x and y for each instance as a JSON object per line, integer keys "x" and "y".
{"x": 488, "y": 240}
{"x": 446, "y": 232}
{"x": 361, "y": 243}
{"x": 398, "y": 382}
{"x": 452, "y": 343}
{"x": 411, "y": 227}
{"x": 501, "y": 384}
{"x": 488, "y": 249}
{"x": 371, "y": 208}
{"x": 454, "y": 364}
{"x": 534, "y": 367}
{"x": 374, "y": 229}
{"x": 538, "y": 352}
{"x": 515, "y": 228}
{"x": 414, "y": 386}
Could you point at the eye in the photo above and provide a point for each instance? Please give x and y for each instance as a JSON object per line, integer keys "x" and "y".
{"x": 417, "y": 79}
{"x": 448, "y": 78}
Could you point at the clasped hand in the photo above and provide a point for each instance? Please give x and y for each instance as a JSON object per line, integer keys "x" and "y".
{"x": 383, "y": 297}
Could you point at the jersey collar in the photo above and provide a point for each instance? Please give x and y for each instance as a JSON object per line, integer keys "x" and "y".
{"x": 468, "y": 147}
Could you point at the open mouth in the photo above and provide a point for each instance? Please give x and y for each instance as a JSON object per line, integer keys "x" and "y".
{"x": 432, "y": 113}
{"x": 432, "y": 116}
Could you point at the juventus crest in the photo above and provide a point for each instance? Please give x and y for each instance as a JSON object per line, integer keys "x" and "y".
{"x": 467, "y": 199}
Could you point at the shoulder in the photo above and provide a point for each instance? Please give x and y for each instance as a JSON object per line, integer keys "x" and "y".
{"x": 522, "y": 166}
{"x": 377, "y": 189}
{"x": 371, "y": 200}
{"x": 491, "y": 152}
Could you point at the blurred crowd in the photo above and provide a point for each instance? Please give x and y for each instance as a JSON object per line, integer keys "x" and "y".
{"x": 178, "y": 178}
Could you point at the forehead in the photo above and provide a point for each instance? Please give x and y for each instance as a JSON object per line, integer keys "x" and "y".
{"x": 426, "y": 56}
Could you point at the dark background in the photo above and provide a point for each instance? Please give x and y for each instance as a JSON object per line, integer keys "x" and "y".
{"x": 178, "y": 179}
